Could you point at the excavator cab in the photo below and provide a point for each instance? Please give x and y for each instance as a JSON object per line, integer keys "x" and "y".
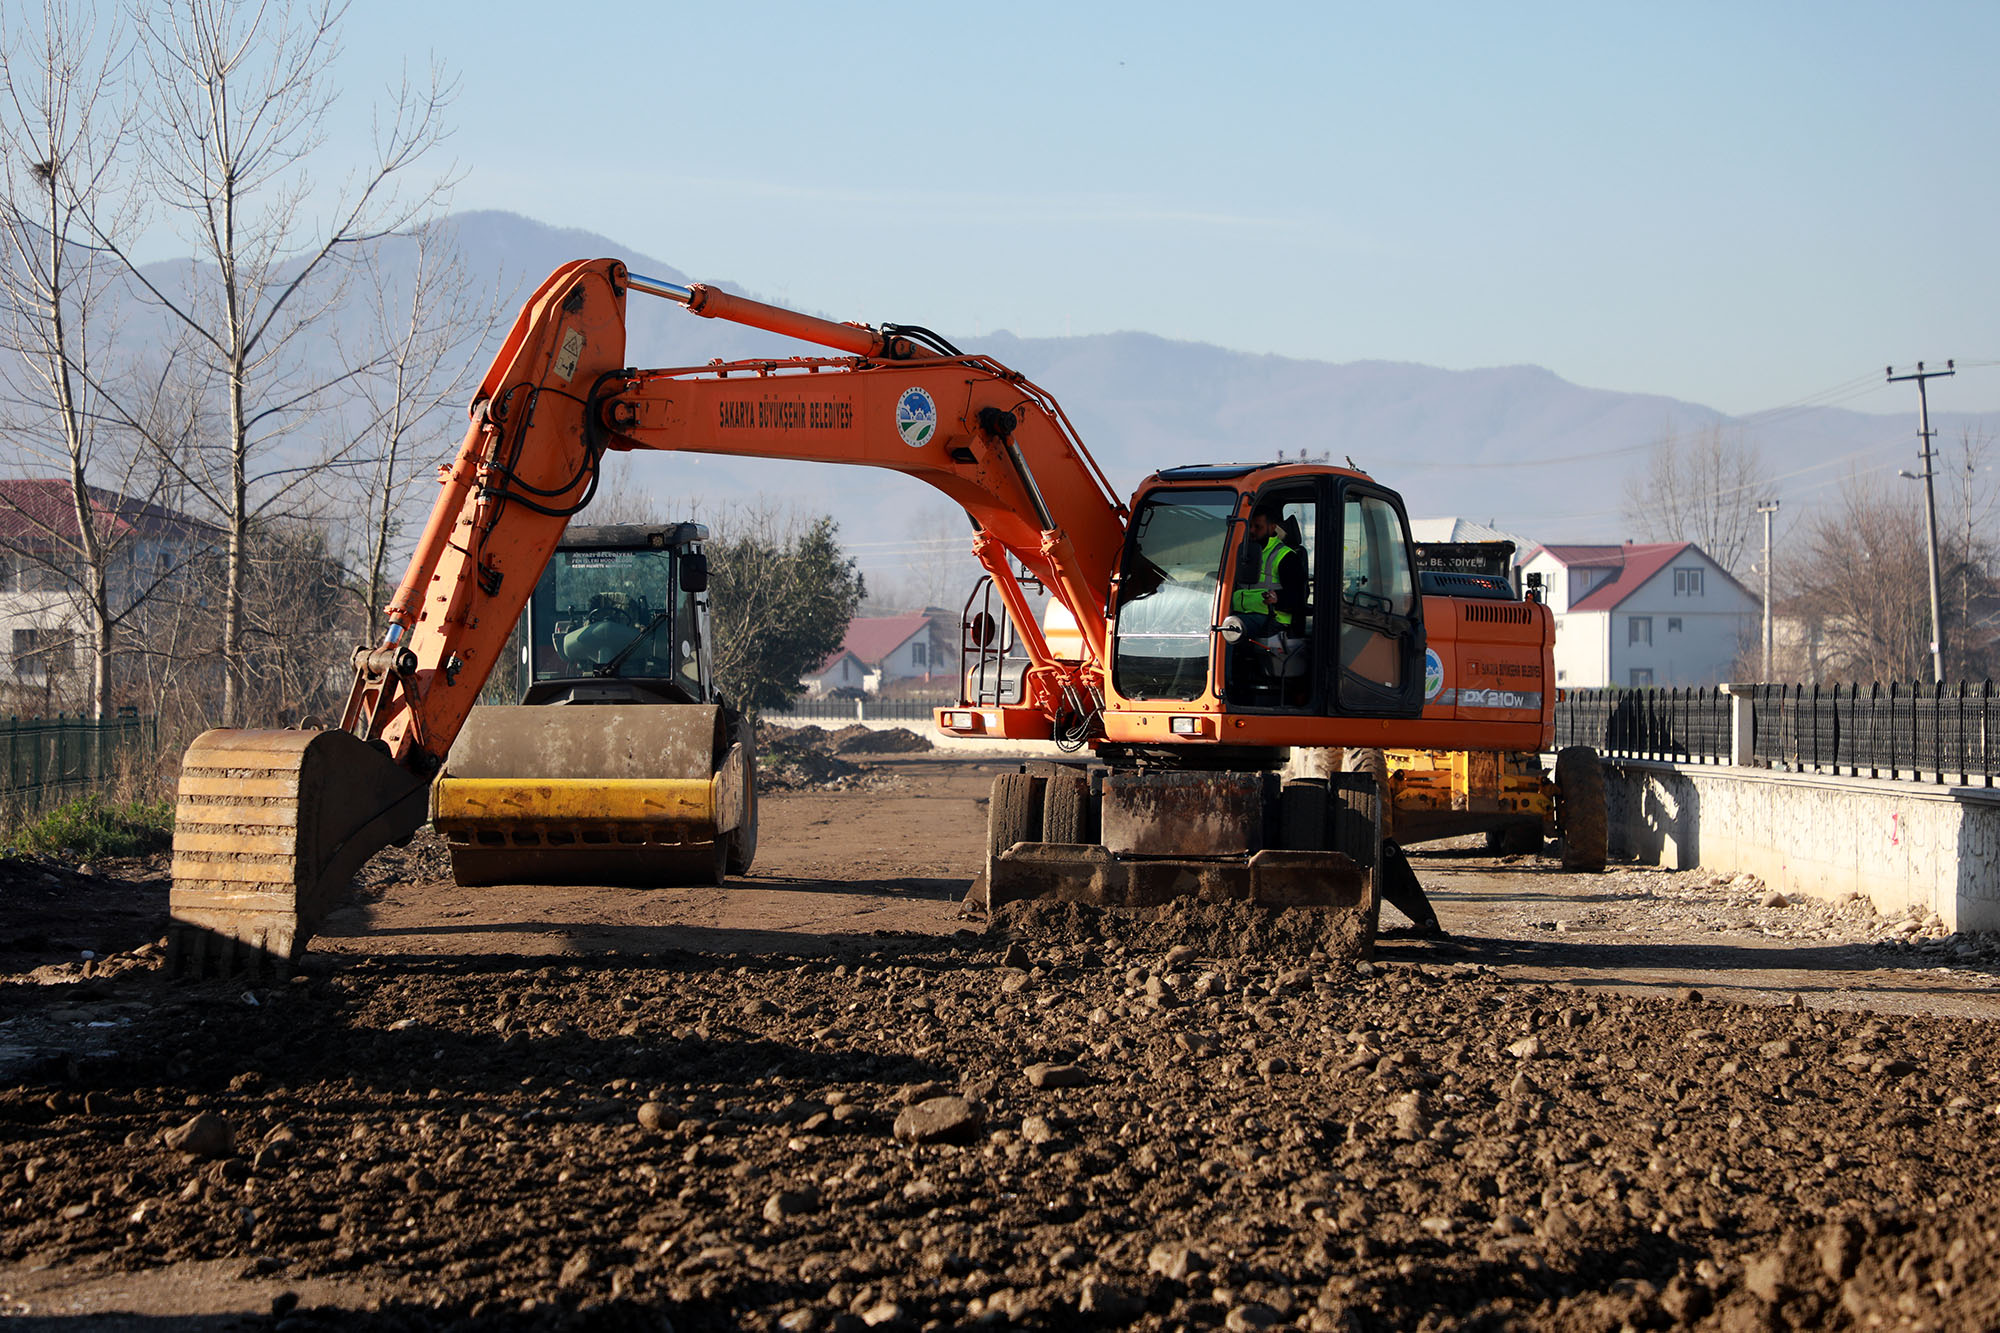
{"x": 1321, "y": 617}
{"x": 1256, "y": 607}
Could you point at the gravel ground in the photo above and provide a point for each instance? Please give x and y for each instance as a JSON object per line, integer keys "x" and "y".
{"x": 948, "y": 1133}
{"x": 1200, "y": 1120}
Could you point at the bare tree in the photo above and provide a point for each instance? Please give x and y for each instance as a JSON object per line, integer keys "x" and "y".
{"x": 621, "y": 498}
{"x": 65, "y": 139}
{"x": 1702, "y": 490}
{"x": 1856, "y": 600}
{"x": 423, "y": 339}
{"x": 235, "y": 104}
{"x": 1971, "y": 588}
{"x": 938, "y": 568}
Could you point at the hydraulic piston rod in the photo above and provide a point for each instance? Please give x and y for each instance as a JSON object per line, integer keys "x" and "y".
{"x": 713, "y": 303}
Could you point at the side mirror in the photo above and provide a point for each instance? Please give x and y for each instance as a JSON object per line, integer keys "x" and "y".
{"x": 1231, "y": 629}
{"x": 694, "y": 573}
{"x": 981, "y": 630}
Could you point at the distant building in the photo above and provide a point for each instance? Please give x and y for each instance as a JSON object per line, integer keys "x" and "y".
{"x": 1660, "y": 613}
{"x": 884, "y": 653}
{"x": 42, "y": 623}
{"x": 1450, "y": 529}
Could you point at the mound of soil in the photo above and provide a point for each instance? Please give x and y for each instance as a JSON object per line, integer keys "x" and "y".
{"x": 55, "y": 912}
{"x": 809, "y": 758}
{"x": 1219, "y": 930}
{"x": 806, "y": 770}
{"x": 425, "y": 857}
{"x": 887, "y": 740}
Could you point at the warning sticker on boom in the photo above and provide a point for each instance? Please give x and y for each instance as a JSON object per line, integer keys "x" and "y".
{"x": 572, "y": 350}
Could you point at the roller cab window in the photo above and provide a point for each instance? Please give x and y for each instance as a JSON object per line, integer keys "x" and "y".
{"x": 614, "y": 613}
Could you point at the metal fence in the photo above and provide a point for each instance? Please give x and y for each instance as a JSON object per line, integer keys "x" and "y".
{"x": 1688, "y": 726}
{"x": 858, "y": 710}
{"x": 53, "y": 759}
{"x": 1934, "y": 733}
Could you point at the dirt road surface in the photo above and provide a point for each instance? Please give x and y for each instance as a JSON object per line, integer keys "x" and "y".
{"x": 822, "y": 1098}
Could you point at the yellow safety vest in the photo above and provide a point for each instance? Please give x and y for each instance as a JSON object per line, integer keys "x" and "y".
{"x": 1250, "y": 598}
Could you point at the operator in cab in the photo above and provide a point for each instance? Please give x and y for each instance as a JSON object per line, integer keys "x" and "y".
{"x": 1270, "y": 601}
{"x": 1270, "y": 578}
{"x": 613, "y": 622}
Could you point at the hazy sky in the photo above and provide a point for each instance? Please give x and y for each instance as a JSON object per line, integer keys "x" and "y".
{"x": 1743, "y": 205}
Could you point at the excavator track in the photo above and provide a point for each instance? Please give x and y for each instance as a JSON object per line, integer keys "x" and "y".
{"x": 269, "y": 827}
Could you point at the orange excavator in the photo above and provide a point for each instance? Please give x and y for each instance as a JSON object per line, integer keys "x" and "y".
{"x": 1147, "y": 658}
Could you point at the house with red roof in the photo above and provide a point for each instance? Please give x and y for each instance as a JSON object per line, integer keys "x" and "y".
{"x": 882, "y": 653}
{"x": 1640, "y": 614}
{"x": 42, "y": 620}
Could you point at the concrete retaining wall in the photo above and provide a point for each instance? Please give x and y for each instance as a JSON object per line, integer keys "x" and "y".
{"x": 1903, "y": 844}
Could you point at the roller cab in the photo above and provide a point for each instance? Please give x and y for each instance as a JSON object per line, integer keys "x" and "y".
{"x": 620, "y": 765}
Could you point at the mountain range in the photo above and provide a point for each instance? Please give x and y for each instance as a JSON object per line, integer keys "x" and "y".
{"x": 1514, "y": 446}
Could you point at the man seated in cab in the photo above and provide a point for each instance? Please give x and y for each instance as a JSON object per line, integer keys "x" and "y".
{"x": 1270, "y": 596}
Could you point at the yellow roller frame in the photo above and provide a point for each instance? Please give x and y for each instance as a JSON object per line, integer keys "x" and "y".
{"x": 483, "y": 802}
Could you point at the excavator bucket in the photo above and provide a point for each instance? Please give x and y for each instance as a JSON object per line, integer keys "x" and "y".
{"x": 269, "y": 827}
{"x": 640, "y": 794}
{"x": 1166, "y": 838}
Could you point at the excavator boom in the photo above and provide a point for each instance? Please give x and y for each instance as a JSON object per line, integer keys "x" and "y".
{"x": 270, "y": 824}
{"x": 1191, "y": 704}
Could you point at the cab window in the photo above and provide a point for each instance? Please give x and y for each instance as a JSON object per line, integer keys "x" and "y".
{"x": 1378, "y": 647}
{"x": 1167, "y": 593}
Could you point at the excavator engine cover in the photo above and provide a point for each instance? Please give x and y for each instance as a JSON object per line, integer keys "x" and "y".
{"x": 642, "y": 794}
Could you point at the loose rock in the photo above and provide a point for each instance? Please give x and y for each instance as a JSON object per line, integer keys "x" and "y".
{"x": 207, "y": 1135}
{"x": 940, "y": 1120}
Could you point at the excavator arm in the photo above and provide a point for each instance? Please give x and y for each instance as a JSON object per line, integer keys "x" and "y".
{"x": 271, "y": 824}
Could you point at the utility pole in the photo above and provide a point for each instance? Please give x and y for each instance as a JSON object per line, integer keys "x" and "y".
{"x": 1924, "y": 432}
{"x": 1767, "y": 508}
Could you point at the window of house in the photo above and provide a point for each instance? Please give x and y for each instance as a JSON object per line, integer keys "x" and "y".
{"x": 1639, "y": 629}
{"x": 42, "y": 652}
{"x": 919, "y": 655}
{"x": 1673, "y": 624}
{"x": 7, "y": 560}
{"x": 1642, "y": 677}
{"x": 1687, "y": 582}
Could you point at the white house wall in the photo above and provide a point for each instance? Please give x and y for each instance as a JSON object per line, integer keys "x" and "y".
{"x": 43, "y": 611}
{"x": 1555, "y": 580}
{"x": 1703, "y": 650}
{"x": 1582, "y": 657}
